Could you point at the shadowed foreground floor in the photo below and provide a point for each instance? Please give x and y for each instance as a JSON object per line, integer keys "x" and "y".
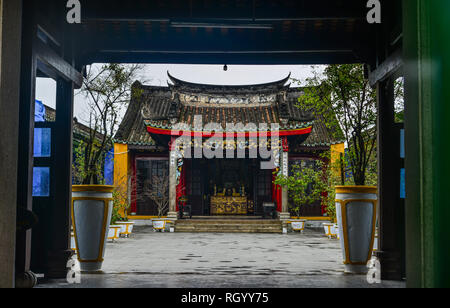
{"x": 220, "y": 260}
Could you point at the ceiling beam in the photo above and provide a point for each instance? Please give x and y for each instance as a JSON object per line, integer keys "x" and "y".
{"x": 50, "y": 60}
{"x": 133, "y": 10}
{"x": 392, "y": 65}
{"x": 221, "y": 59}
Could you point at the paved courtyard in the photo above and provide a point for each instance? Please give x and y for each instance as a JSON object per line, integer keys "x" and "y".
{"x": 209, "y": 260}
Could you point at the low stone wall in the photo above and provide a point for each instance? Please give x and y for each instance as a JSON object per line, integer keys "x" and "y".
{"x": 316, "y": 224}
{"x": 141, "y": 222}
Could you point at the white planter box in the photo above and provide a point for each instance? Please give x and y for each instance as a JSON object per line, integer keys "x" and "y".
{"x": 336, "y": 231}
{"x": 329, "y": 230}
{"x": 114, "y": 232}
{"x": 159, "y": 224}
{"x": 298, "y": 225}
{"x": 126, "y": 227}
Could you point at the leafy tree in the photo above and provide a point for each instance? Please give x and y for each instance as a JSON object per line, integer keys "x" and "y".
{"x": 310, "y": 182}
{"x": 121, "y": 203}
{"x": 343, "y": 96}
{"x": 345, "y": 99}
{"x": 107, "y": 89}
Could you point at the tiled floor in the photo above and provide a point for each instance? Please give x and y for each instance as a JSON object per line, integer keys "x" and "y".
{"x": 204, "y": 260}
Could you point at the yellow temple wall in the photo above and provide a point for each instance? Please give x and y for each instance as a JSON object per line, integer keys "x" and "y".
{"x": 336, "y": 151}
{"x": 121, "y": 172}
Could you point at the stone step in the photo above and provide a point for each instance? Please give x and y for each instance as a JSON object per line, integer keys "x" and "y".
{"x": 226, "y": 226}
{"x": 227, "y": 222}
{"x": 208, "y": 230}
{"x": 229, "y": 226}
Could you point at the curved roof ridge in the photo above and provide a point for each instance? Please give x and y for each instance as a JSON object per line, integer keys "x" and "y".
{"x": 274, "y": 84}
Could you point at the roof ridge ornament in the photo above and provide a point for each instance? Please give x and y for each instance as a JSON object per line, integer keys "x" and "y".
{"x": 274, "y": 85}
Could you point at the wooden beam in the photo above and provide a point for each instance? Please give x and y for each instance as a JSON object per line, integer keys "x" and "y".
{"x": 223, "y": 10}
{"x": 221, "y": 59}
{"x": 50, "y": 58}
{"x": 390, "y": 66}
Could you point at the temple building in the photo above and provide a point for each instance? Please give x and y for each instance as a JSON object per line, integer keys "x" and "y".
{"x": 235, "y": 181}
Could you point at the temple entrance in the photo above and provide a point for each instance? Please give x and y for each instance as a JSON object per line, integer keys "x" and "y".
{"x": 287, "y": 38}
{"x": 227, "y": 187}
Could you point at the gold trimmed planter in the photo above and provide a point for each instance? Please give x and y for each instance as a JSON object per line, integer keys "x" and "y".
{"x": 159, "y": 225}
{"x": 356, "y": 208}
{"x": 126, "y": 227}
{"x": 336, "y": 230}
{"x": 114, "y": 232}
{"x": 91, "y": 210}
{"x": 298, "y": 225}
{"x": 329, "y": 230}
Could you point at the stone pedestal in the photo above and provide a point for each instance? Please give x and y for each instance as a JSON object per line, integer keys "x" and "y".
{"x": 26, "y": 280}
{"x": 173, "y": 216}
{"x": 284, "y": 216}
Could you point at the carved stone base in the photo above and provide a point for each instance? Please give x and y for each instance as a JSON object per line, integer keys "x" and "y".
{"x": 173, "y": 216}
{"x": 26, "y": 280}
{"x": 284, "y": 216}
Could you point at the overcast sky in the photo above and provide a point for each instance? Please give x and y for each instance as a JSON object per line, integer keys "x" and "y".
{"x": 156, "y": 74}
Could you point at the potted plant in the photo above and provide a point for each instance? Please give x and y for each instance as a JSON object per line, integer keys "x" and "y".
{"x": 343, "y": 96}
{"x": 114, "y": 228}
{"x": 121, "y": 205}
{"x": 107, "y": 89}
{"x": 331, "y": 229}
{"x": 306, "y": 184}
{"x": 158, "y": 192}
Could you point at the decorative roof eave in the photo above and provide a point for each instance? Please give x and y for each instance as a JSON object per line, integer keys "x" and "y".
{"x": 246, "y": 134}
{"x": 320, "y": 144}
{"x": 117, "y": 141}
{"x": 211, "y": 88}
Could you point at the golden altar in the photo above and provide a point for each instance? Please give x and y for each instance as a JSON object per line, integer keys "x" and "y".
{"x": 224, "y": 205}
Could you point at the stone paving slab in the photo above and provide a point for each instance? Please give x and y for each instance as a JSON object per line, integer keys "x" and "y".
{"x": 231, "y": 260}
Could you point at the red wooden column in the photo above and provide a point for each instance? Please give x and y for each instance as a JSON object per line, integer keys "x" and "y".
{"x": 276, "y": 190}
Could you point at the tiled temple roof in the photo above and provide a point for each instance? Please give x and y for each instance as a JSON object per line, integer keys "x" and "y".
{"x": 160, "y": 107}
{"x": 80, "y": 130}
